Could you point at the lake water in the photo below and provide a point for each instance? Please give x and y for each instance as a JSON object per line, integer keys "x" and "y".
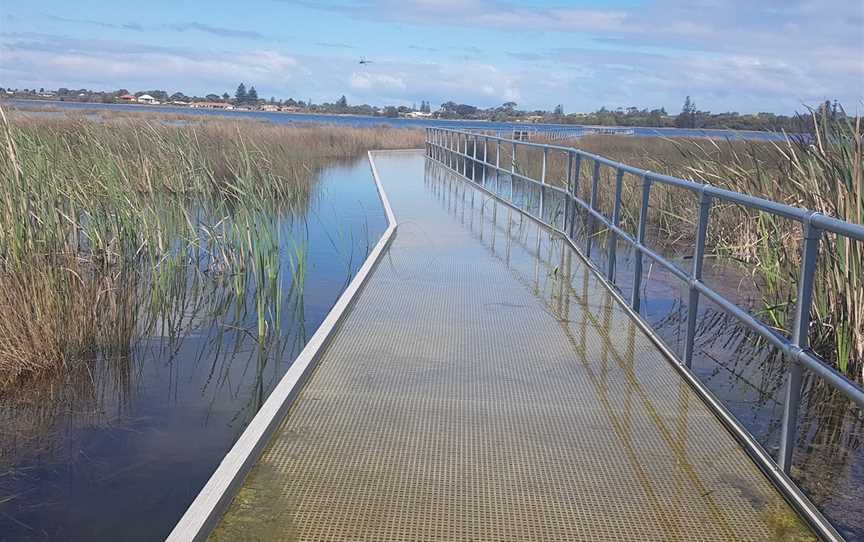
{"x": 120, "y": 452}
{"x": 128, "y": 444}
{"x": 744, "y": 372}
{"x": 366, "y": 122}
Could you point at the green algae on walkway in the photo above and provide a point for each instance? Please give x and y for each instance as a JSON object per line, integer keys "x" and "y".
{"x": 485, "y": 386}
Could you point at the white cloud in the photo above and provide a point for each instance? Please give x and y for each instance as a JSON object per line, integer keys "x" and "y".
{"x": 740, "y": 55}
{"x": 378, "y": 83}
{"x": 52, "y": 61}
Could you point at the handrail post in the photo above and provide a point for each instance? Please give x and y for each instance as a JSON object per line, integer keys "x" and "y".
{"x": 635, "y": 300}
{"x": 453, "y": 149}
{"x": 612, "y": 239}
{"x": 577, "y": 171}
{"x": 454, "y": 152}
{"x": 498, "y": 167}
{"x": 543, "y": 170}
{"x": 465, "y": 158}
{"x": 512, "y": 171}
{"x": 543, "y": 184}
{"x": 485, "y": 150}
{"x": 801, "y": 339}
{"x": 577, "y": 167}
{"x": 595, "y": 182}
{"x": 441, "y": 152}
{"x": 696, "y": 276}
{"x": 457, "y": 145}
{"x": 569, "y": 209}
{"x": 474, "y": 158}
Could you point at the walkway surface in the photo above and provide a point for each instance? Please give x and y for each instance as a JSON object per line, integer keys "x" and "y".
{"x": 485, "y": 386}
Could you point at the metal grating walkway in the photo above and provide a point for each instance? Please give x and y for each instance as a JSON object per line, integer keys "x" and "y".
{"x": 485, "y": 386}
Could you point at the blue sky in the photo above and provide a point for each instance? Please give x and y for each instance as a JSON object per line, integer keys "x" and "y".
{"x": 741, "y": 55}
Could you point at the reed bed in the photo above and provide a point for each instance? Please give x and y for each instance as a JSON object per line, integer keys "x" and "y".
{"x": 103, "y": 222}
{"x": 821, "y": 171}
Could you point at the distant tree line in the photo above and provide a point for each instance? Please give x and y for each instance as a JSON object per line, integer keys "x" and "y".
{"x": 689, "y": 116}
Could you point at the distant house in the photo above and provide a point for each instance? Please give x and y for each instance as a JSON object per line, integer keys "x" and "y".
{"x": 271, "y": 108}
{"x": 212, "y": 105}
{"x": 418, "y": 115}
{"x": 147, "y": 99}
{"x": 129, "y": 98}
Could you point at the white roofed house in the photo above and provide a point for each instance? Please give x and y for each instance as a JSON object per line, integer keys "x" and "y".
{"x": 147, "y": 99}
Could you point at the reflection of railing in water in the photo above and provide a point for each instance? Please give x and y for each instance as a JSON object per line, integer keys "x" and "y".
{"x": 555, "y": 286}
{"x": 461, "y": 150}
{"x": 838, "y": 428}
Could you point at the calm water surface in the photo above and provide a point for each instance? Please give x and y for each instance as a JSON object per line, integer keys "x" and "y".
{"x": 119, "y": 453}
{"x": 739, "y": 368}
{"x": 124, "y": 453}
{"x": 365, "y": 122}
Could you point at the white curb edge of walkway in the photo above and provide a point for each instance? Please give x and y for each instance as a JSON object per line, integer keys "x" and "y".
{"x": 206, "y": 510}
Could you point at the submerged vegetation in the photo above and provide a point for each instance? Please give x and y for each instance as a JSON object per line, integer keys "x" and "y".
{"x": 104, "y": 224}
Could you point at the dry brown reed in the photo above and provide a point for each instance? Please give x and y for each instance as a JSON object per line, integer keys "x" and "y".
{"x": 821, "y": 172}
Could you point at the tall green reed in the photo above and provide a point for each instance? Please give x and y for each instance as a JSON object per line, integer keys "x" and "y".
{"x": 104, "y": 225}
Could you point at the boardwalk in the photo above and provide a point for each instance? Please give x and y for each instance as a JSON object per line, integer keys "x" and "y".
{"x": 485, "y": 386}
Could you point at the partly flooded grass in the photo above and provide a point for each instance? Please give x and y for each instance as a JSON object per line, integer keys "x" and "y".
{"x": 823, "y": 171}
{"x": 156, "y": 281}
{"x": 736, "y": 364}
{"x": 99, "y": 221}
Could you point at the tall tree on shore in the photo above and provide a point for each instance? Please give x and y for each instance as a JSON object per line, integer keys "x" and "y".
{"x": 240, "y": 95}
{"x": 687, "y": 117}
{"x": 252, "y": 95}
{"x": 342, "y": 102}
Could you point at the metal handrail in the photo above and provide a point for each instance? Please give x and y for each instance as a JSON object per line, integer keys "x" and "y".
{"x": 451, "y": 148}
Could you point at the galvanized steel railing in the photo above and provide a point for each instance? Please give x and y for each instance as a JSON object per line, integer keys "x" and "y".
{"x": 554, "y": 132}
{"x": 451, "y": 148}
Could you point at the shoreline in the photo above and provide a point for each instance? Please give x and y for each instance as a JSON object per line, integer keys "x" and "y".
{"x": 694, "y": 132}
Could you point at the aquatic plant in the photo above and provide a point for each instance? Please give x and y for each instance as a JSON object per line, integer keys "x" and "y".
{"x": 821, "y": 171}
{"x": 104, "y": 223}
